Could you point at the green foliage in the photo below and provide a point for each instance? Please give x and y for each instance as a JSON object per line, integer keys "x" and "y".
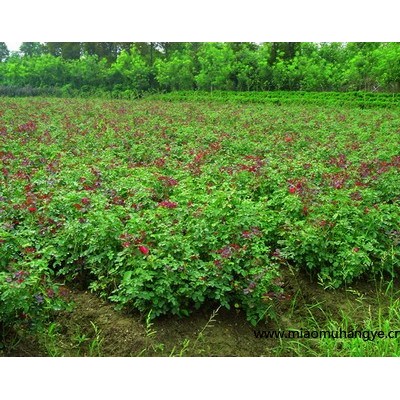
{"x": 130, "y": 71}
{"x": 41, "y": 71}
{"x": 30, "y": 49}
{"x": 177, "y": 72}
{"x": 375, "y": 336}
{"x": 167, "y": 206}
{"x": 4, "y": 53}
{"x": 387, "y": 68}
{"x": 331, "y": 99}
{"x": 245, "y": 70}
{"x": 28, "y": 297}
{"x": 127, "y": 70}
{"x": 215, "y": 61}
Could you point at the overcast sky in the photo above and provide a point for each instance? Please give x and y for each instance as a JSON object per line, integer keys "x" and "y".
{"x": 253, "y": 21}
{"x": 13, "y": 46}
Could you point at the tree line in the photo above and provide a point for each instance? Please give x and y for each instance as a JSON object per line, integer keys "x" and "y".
{"x": 126, "y": 68}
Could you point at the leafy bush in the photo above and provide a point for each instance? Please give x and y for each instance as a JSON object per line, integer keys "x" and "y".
{"x": 28, "y": 296}
{"x": 169, "y": 206}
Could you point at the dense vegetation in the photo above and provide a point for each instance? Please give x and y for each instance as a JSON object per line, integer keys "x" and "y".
{"x": 169, "y": 205}
{"x": 126, "y": 70}
{"x": 327, "y": 99}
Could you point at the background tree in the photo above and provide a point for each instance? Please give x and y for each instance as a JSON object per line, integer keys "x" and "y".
{"x": 4, "y": 53}
{"x": 88, "y": 73}
{"x": 359, "y": 64}
{"x": 66, "y": 50}
{"x": 283, "y": 51}
{"x": 107, "y": 50}
{"x": 71, "y": 50}
{"x": 177, "y": 71}
{"x": 137, "y": 67}
{"x": 264, "y": 69}
{"x": 386, "y": 69}
{"x": 244, "y": 74}
{"x": 31, "y": 49}
{"x": 53, "y": 48}
{"x": 215, "y": 60}
{"x": 130, "y": 71}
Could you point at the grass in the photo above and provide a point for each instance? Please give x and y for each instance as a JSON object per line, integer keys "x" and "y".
{"x": 186, "y": 347}
{"x": 355, "y": 332}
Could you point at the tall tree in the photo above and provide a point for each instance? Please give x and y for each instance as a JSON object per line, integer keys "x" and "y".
{"x": 4, "y": 52}
{"x": 245, "y": 66}
{"x": 283, "y": 50}
{"x": 360, "y": 62}
{"x": 71, "y": 50}
{"x": 130, "y": 71}
{"x": 66, "y": 50}
{"x": 107, "y": 50}
{"x": 53, "y": 48}
{"x": 215, "y": 61}
{"x": 31, "y": 49}
{"x": 176, "y": 72}
{"x": 386, "y": 69}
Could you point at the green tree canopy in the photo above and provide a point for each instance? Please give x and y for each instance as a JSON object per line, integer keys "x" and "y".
{"x": 216, "y": 64}
{"x": 4, "y": 52}
{"x": 176, "y": 72}
{"x": 31, "y": 49}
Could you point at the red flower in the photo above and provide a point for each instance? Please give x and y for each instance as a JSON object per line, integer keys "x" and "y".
{"x": 292, "y": 189}
{"x": 167, "y": 204}
{"x": 32, "y": 209}
{"x": 85, "y": 200}
{"x": 144, "y": 250}
{"x": 246, "y": 234}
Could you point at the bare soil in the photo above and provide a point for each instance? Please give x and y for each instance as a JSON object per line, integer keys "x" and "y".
{"x": 95, "y": 328}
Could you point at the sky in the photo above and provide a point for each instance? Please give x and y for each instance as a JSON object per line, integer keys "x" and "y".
{"x": 222, "y": 21}
{"x": 13, "y": 45}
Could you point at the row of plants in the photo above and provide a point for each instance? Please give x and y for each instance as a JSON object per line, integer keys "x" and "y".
{"x": 359, "y": 99}
{"x": 336, "y": 99}
{"x": 167, "y": 206}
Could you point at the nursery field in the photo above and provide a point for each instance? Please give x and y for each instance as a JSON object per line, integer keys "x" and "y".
{"x": 167, "y": 208}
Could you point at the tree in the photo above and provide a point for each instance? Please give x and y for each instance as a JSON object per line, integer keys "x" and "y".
{"x": 176, "y": 72}
{"x": 4, "y": 53}
{"x": 313, "y": 71}
{"x": 264, "y": 69}
{"x": 360, "y": 60}
{"x": 169, "y": 48}
{"x": 31, "y": 49}
{"x": 244, "y": 74}
{"x": 88, "y": 72}
{"x": 386, "y": 69}
{"x": 66, "y": 50}
{"x": 53, "y": 48}
{"x": 215, "y": 60}
{"x": 283, "y": 51}
{"x": 130, "y": 71}
{"x": 286, "y": 74}
{"x": 107, "y": 50}
{"x": 71, "y": 50}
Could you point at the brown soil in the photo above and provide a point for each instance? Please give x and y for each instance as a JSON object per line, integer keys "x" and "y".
{"x": 95, "y": 328}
